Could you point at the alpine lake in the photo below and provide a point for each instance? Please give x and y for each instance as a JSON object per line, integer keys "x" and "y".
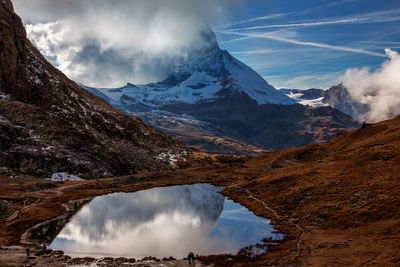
{"x": 163, "y": 222}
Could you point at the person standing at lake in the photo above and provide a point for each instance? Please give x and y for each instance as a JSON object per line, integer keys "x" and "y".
{"x": 191, "y": 258}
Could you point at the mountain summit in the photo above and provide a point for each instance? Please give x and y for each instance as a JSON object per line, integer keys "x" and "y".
{"x": 205, "y": 75}
{"x": 220, "y": 105}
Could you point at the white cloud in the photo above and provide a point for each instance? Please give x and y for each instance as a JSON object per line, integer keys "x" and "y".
{"x": 272, "y": 16}
{"x": 275, "y": 37}
{"x": 109, "y": 43}
{"x": 362, "y": 20}
{"x": 257, "y": 51}
{"x": 279, "y": 15}
{"x": 379, "y": 89}
{"x": 306, "y": 81}
{"x": 235, "y": 40}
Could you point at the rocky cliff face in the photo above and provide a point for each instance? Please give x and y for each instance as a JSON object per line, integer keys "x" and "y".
{"x": 50, "y": 124}
{"x": 339, "y": 98}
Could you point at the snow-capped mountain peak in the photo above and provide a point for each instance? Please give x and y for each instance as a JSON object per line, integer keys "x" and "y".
{"x": 205, "y": 75}
{"x": 216, "y": 103}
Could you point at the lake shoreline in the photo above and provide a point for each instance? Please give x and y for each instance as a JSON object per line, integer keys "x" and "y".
{"x": 63, "y": 198}
{"x": 333, "y": 208}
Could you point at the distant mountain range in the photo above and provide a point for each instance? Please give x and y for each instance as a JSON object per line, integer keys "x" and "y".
{"x": 220, "y": 105}
{"x": 337, "y": 97}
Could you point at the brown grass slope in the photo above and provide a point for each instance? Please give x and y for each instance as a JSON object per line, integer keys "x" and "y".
{"x": 49, "y": 123}
{"x": 339, "y": 202}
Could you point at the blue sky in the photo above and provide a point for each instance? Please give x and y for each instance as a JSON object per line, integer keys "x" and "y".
{"x": 291, "y": 43}
{"x": 304, "y": 43}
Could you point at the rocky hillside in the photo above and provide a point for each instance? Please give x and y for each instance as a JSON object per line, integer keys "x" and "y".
{"x": 337, "y": 203}
{"x": 204, "y": 136}
{"x": 343, "y": 195}
{"x": 49, "y": 124}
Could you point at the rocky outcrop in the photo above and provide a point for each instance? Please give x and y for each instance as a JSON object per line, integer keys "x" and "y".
{"x": 339, "y": 97}
{"x": 49, "y": 123}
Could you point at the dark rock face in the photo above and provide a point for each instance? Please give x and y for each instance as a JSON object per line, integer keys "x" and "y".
{"x": 339, "y": 98}
{"x": 273, "y": 126}
{"x": 235, "y": 121}
{"x": 50, "y": 124}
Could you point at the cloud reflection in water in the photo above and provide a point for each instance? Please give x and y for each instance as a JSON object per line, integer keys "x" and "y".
{"x": 161, "y": 222}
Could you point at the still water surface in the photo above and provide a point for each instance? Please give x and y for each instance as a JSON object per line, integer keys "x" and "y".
{"x": 162, "y": 222}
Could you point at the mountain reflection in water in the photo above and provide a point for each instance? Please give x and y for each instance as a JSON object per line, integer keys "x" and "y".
{"x": 161, "y": 222}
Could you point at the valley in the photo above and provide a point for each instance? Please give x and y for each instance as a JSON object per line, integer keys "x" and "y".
{"x": 341, "y": 209}
{"x": 313, "y": 183}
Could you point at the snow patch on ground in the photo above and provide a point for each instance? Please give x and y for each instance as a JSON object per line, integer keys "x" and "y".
{"x": 64, "y": 176}
{"x": 4, "y": 119}
{"x": 4, "y": 96}
{"x": 313, "y": 102}
{"x": 172, "y": 158}
{"x": 37, "y": 81}
{"x": 299, "y": 98}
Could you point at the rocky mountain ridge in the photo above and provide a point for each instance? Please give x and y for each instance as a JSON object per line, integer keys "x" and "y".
{"x": 206, "y": 75}
{"x": 336, "y": 96}
{"x": 339, "y": 97}
{"x": 50, "y": 124}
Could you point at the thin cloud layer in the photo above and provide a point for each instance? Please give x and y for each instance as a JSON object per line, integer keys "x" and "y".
{"x": 367, "y": 18}
{"x": 275, "y": 37}
{"x": 108, "y": 43}
{"x": 379, "y": 89}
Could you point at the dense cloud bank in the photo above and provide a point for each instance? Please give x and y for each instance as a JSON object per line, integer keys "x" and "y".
{"x": 109, "y": 43}
{"x": 379, "y": 89}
